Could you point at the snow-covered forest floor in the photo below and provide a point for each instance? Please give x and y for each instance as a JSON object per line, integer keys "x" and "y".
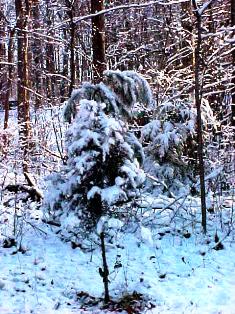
{"x": 159, "y": 260}
{"x": 162, "y": 255}
{"x": 117, "y": 160}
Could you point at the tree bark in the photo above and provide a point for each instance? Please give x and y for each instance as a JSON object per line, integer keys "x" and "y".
{"x": 50, "y": 55}
{"x": 187, "y": 41}
{"x": 37, "y": 55}
{"x": 233, "y": 63}
{"x": 65, "y": 65}
{"x": 105, "y": 272}
{"x": 9, "y": 77}
{"x": 3, "y": 67}
{"x": 22, "y": 16}
{"x": 72, "y": 28}
{"x": 198, "y": 97}
{"x": 98, "y": 40}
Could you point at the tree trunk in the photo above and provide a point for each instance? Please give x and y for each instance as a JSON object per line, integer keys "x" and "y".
{"x": 50, "y": 55}
{"x": 72, "y": 28}
{"x": 9, "y": 77}
{"x": 105, "y": 272}
{"x": 72, "y": 50}
{"x": 98, "y": 40}
{"x": 37, "y": 55}
{"x": 187, "y": 41}
{"x": 64, "y": 70}
{"x": 233, "y": 63}
{"x": 22, "y": 16}
{"x": 3, "y": 67}
{"x": 198, "y": 97}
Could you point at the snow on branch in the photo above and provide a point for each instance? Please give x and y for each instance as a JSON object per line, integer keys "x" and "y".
{"x": 120, "y": 7}
{"x": 200, "y": 10}
{"x": 120, "y": 91}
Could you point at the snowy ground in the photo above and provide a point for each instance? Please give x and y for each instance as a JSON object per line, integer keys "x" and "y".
{"x": 169, "y": 261}
{"x": 163, "y": 256}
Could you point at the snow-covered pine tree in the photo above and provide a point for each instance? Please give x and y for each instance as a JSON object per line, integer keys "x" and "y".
{"x": 170, "y": 142}
{"x": 101, "y": 170}
{"x": 171, "y": 146}
{"x": 121, "y": 91}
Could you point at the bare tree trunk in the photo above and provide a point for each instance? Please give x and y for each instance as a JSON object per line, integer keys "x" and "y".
{"x": 187, "y": 42}
{"x": 22, "y": 16}
{"x": 50, "y": 55}
{"x": 198, "y": 97}
{"x": 233, "y": 62}
{"x": 72, "y": 48}
{"x": 64, "y": 70}
{"x": 9, "y": 77}
{"x": 3, "y": 66}
{"x": 37, "y": 55}
{"x": 105, "y": 272}
{"x": 98, "y": 40}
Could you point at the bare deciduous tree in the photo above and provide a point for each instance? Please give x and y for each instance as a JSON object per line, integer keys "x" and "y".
{"x": 198, "y": 97}
{"x": 98, "y": 40}
{"x": 233, "y": 62}
{"x": 22, "y": 19}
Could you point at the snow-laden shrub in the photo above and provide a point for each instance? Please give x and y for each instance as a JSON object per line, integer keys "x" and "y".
{"x": 170, "y": 145}
{"x": 101, "y": 170}
{"x": 120, "y": 91}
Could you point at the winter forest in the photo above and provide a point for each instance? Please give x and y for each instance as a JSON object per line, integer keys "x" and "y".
{"x": 117, "y": 156}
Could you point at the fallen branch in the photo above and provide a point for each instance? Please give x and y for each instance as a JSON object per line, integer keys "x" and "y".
{"x": 32, "y": 184}
{"x": 51, "y": 222}
{"x": 31, "y": 191}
